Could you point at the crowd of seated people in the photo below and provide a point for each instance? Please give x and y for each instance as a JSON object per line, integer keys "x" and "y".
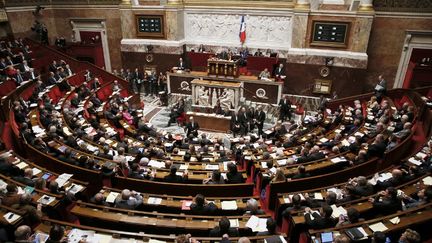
{"x": 16, "y": 62}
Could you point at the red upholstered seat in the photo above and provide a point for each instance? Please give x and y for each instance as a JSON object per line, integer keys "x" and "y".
{"x": 124, "y": 93}
{"x": 181, "y": 119}
{"x": 429, "y": 94}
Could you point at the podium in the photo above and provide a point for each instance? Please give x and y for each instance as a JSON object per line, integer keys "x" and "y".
{"x": 222, "y": 68}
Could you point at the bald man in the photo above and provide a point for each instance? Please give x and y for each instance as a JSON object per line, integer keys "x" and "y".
{"x": 23, "y": 234}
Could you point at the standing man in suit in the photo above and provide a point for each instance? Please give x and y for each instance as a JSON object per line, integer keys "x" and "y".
{"x": 284, "y": 109}
{"x": 181, "y": 64}
{"x": 380, "y": 88}
{"x": 192, "y": 127}
{"x": 280, "y": 73}
{"x": 244, "y": 121}
{"x": 137, "y": 78}
{"x": 236, "y": 124}
{"x": 260, "y": 117}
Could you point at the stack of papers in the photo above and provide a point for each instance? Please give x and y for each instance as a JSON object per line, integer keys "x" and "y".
{"x": 384, "y": 176}
{"x": 63, "y": 178}
{"x": 74, "y": 188}
{"x": 11, "y": 217}
{"x": 338, "y": 211}
{"x": 337, "y": 191}
{"x": 183, "y": 167}
{"x": 212, "y": 167}
{"x": 427, "y": 181}
{"x": 46, "y": 200}
{"x": 378, "y": 227}
{"x": 36, "y": 171}
{"x": 78, "y": 235}
{"x": 234, "y": 223}
{"x": 112, "y": 197}
{"x": 338, "y": 159}
{"x": 257, "y": 224}
{"x": 414, "y": 161}
{"x": 229, "y": 205}
{"x": 22, "y": 165}
{"x": 154, "y": 200}
{"x": 318, "y": 196}
{"x": 156, "y": 164}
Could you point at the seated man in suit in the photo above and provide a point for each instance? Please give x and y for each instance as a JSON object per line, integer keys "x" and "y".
{"x": 397, "y": 179}
{"x": 301, "y": 173}
{"x": 296, "y": 205}
{"x": 129, "y": 200}
{"x": 172, "y": 177}
{"x": 27, "y": 178}
{"x": 280, "y": 73}
{"x": 359, "y": 187}
{"x": 320, "y": 220}
{"x": 377, "y": 148}
{"x": 192, "y": 127}
{"x": 224, "y": 228}
{"x": 387, "y": 202}
{"x": 201, "y": 206}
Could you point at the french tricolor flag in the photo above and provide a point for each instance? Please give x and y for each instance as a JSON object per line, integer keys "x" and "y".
{"x": 242, "y": 33}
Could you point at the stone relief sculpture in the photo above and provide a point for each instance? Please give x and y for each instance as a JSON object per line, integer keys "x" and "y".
{"x": 202, "y": 96}
{"x": 227, "y": 98}
{"x": 224, "y": 28}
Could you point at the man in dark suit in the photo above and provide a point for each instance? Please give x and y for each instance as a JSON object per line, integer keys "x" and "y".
{"x": 387, "y": 202}
{"x": 51, "y": 79}
{"x": 397, "y": 179}
{"x": 27, "y": 178}
{"x": 53, "y": 66}
{"x": 280, "y": 73}
{"x": 361, "y": 187}
{"x": 284, "y": 109}
{"x": 224, "y": 228}
{"x": 181, "y": 64}
{"x": 260, "y": 117}
{"x": 244, "y": 121}
{"x": 320, "y": 221}
{"x": 236, "y": 125}
{"x": 377, "y": 148}
{"x": 201, "y": 206}
{"x": 138, "y": 79}
{"x": 192, "y": 127}
{"x": 172, "y": 177}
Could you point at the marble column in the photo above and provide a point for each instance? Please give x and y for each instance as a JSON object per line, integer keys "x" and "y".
{"x": 302, "y": 4}
{"x": 366, "y": 5}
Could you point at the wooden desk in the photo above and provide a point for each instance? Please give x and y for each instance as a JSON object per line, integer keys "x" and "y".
{"x": 211, "y": 122}
{"x": 222, "y": 68}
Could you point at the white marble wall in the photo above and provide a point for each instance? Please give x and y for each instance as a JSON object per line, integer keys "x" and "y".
{"x": 262, "y": 31}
